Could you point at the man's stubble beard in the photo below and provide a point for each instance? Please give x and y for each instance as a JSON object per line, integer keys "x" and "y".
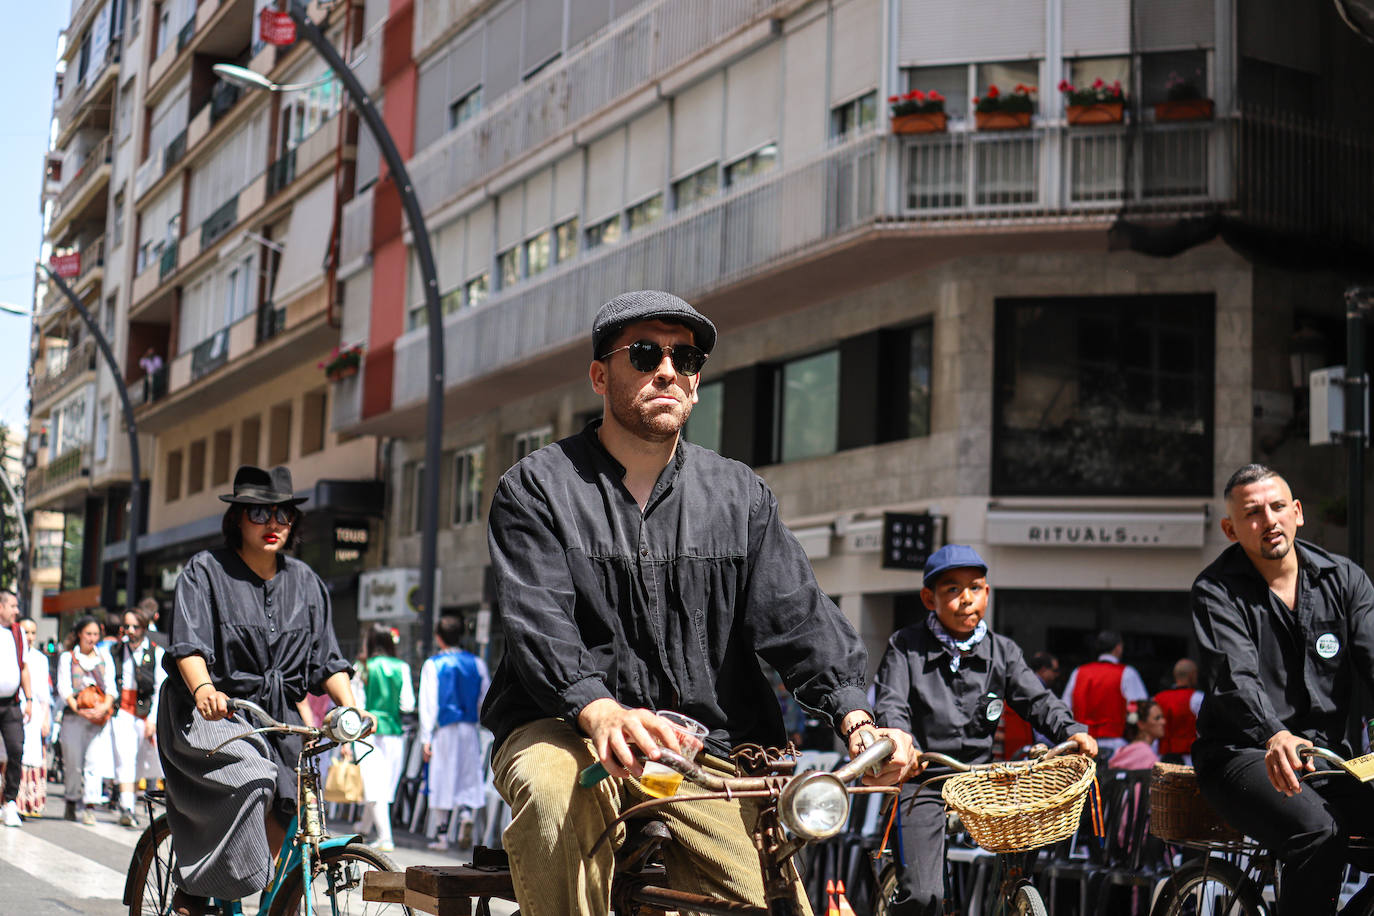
{"x": 658, "y": 426}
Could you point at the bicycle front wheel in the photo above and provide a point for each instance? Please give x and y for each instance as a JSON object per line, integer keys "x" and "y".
{"x": 337, "y": 886}
{"x": 886, "y": 890}
{"x": 1211, "y": 887}
{"x": 1026, "y": 901}
{"x": 148, "y": 890}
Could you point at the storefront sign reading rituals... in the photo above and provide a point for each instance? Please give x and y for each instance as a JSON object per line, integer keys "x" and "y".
{"x": 1096, "y": 529}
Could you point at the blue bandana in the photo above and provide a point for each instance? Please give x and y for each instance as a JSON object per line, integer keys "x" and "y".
{"x": 955, "y": 647}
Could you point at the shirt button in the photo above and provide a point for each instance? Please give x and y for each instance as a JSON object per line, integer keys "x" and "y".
{"x": 644, "y": 551}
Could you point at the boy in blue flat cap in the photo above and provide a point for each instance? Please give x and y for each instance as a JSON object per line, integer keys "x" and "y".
{"x": 947, "y": 680}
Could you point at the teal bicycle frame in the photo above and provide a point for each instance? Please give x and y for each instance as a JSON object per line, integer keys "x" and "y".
{"x": 291, "y": 858}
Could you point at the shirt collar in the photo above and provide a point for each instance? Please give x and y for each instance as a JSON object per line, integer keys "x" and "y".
{"x": 665, "y": 478}
{"x": 1109, "y": 657}
{"x": 1311, "y": 559}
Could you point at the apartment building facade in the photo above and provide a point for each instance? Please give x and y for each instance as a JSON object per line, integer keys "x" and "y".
{"x": 969, "y": 335}
{"x": 221, "y": 209}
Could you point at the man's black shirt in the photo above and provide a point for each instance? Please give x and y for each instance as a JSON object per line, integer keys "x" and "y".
{"x": 1273, "y": 668}
{"x": 664, "y": 609}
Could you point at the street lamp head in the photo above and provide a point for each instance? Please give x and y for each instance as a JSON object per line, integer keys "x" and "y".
{"x": 15, "y": 310}
{"x": 243, "y": 77}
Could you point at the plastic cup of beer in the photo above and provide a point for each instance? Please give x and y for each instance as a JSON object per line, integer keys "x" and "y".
{"x": 663, "y": 781}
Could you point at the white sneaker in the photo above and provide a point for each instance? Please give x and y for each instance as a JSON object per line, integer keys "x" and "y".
{"x": 439, "y": 845}
{"x": 12, "y": 815}
{"x": 384, "y": 847}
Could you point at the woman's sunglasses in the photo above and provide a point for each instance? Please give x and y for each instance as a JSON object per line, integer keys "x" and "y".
{"x": 259, "y": 515}
{"x": 646, "y": 356}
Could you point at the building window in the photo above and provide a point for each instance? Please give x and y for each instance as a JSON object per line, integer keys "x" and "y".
{"x": 706, "y": 423}
{"x": 477, "y": 289}
{"x": 565, "y": 235}
{"x": 808, "y": 399}
{"x": 697, "y": 186}
{"x": 195, "y": 468}
{"x": 508, "y": 267}
{"x": 314, "y": 421}
{"x": 538, "y": 253}
{"x": 606, "y": 232}
{"x": 1104, "y": 395}
{"x": 412, "y": 496}
{"x": 1176, "y": 73}
{"x": 117, "y": 230}
{"x": 951, "y": 82}
{"x": 221, "y": 456}
{"x": 48, "y": 554}
{"x": 1085, "y": 71}
{"x": 102, "y": 433}
{"x": 467, "y": 485}
{"x": 279, "y": 434}
{"x": 853, "y": 116}
{"x": 304, "y": 111}
{"x": 451, "y": 301}
{"x": 645, "y": 213}
{"x": 249, "y": 435}
{"x": 531, "y": 440}
{"x": 756, "y": 163}
{"x": 1006, "y": 76}
{"x": 172, "y": 484}
{"x": 465, "y": 109}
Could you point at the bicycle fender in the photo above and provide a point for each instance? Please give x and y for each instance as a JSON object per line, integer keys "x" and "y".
{"x": 334, "y": 842}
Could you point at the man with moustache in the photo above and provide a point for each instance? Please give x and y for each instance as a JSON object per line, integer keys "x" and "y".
{"x": 636, "y": 572}
{"x": 1284, "y": 628}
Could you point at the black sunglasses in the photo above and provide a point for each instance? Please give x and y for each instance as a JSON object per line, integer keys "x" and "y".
{"x": 646, "y": 356}
{"x": 259, "y": 515}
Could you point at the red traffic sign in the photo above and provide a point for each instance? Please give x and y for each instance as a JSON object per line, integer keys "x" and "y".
{"x": 66, "y": 266}
{"x": 276, "y": 27}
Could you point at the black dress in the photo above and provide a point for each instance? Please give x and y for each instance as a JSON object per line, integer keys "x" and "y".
{"x": 266, "y": 641}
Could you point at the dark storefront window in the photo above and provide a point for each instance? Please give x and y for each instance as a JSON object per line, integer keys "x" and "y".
{"x": 1104, "y": 395}
{"x": 705, "y": 424}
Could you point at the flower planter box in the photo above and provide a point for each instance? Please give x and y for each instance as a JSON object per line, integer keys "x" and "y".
{"x": 1097, "y": 113}
{"x": 1184, "y": 110}
{"x": 338, "y": 375}
{"x": 931, "y": 123}
{"x": 1002, "y": 120}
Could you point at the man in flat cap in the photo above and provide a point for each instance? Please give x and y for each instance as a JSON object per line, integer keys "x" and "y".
{"x": 638, "y": 573}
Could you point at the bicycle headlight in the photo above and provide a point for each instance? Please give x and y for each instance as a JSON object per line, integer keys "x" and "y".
{"x": 814, "y": 806}
{"x": 344, "y": 723}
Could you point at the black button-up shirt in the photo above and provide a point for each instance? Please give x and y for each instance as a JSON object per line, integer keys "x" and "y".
{"x": 946, "y": 711}
{"x": 1272, "y": 667}
{"x": 668, "y": 608}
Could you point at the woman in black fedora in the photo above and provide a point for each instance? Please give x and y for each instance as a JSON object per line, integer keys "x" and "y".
{"x": 249, "y": 623}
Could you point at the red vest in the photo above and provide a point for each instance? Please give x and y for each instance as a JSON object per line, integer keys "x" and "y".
{"x": 1016, "y": 733}
{"x": 1181, "y": 729}
{"x": 1097, "y": 699}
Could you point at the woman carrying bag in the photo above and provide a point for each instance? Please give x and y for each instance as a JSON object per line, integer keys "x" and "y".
{"x": 85, "y": 682}
{"x": 390, "y": 692}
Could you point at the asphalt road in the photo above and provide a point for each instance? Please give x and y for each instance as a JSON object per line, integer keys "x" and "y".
{"x": 52, "y": 867}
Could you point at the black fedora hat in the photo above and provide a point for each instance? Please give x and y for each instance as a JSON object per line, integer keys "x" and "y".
{"x": 260, "y": 487}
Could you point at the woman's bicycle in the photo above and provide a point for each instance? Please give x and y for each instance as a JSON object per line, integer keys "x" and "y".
{"x": 314, "y": 873}
{"x": 1231, "y": 877}
{"x": 1010, "y": 809}
{"x": 796, "y": 809}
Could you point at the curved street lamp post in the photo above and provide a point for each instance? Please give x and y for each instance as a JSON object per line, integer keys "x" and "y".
{"x": 434, "y": 417}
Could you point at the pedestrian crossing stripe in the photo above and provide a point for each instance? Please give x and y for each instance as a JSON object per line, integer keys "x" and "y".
{"x": 79, "y": 876}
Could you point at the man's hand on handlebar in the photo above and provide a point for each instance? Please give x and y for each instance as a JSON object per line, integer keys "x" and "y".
{"x": 615, "y": 731}
{"x": 899, "y": 766}
{"x": 1282, "y": 762}
{"x": 1087, "y": 744}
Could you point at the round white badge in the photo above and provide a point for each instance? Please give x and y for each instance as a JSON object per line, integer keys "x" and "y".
{"x": 995, "y": 707}
{"x": 1328, "y": 645}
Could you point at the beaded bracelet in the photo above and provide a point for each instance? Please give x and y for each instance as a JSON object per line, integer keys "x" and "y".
{"x": 858, "y": 725}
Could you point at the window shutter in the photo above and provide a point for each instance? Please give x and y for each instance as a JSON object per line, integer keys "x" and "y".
{"x": 605, "y": 177}
{"x": 857, "y": 47}
{"x": 567, "y": 187}
{"x": 805, "y": 109}
{"x": 648, "y": 154}
{"x": 697, "y": 126}
{"x": 956, "y": 31}
{"x": 503, "y": 61}
{"x": 752, "y": 101}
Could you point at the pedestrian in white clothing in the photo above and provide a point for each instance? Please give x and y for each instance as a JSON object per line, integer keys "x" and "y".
{"x": 138, "y": 675}
{"x": 85, "y": 682}
{"x": 386, "y": 683}
{"x": 33, "y": 789}
{"x": 452, "y": 686}
{"x": 16, "y": 707}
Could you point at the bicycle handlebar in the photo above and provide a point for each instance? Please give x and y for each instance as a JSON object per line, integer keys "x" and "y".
{"x": 959, "y": 766}
{"x": 272, "y": 724}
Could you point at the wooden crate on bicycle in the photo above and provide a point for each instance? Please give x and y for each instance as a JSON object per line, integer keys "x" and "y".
{"x": 1178, "y": 811}
{"x": 1015, "y": 808}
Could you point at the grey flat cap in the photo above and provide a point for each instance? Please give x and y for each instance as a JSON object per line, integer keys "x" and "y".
{"x": 647, "y": 305}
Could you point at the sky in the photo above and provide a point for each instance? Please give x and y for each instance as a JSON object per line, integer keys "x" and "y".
{"x": 26, "y": 86}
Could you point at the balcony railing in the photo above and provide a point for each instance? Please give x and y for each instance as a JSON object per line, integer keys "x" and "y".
{"x": 219, "y": 222}
{"x": 70, "y": 466}
{"x": 92, "y": 257}
{"x": 271, "y": 321}
{"x": 638, "y": 51}
{"x": 173, "y": 152}
{"x": 148, "y": 389}
{"x": 67, "y": 108}
{"x": 223, "y": 98}
{"x": 210, "y": 354}
{"x": 167, "y": 261}
{"x": 80, "y": 359}
{"x": 184, "y": 36}
{"x": 100, "y": 155}
{"x": 281, "y": 173}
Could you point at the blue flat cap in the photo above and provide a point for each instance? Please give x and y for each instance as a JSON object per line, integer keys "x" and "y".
{"x": 649, "y": 305}
{"x": 952, "y": 556}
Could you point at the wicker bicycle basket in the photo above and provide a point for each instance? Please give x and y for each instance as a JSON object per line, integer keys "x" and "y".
{"x": 1010, "y": 809}
{"x": 1178, "y": 811}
